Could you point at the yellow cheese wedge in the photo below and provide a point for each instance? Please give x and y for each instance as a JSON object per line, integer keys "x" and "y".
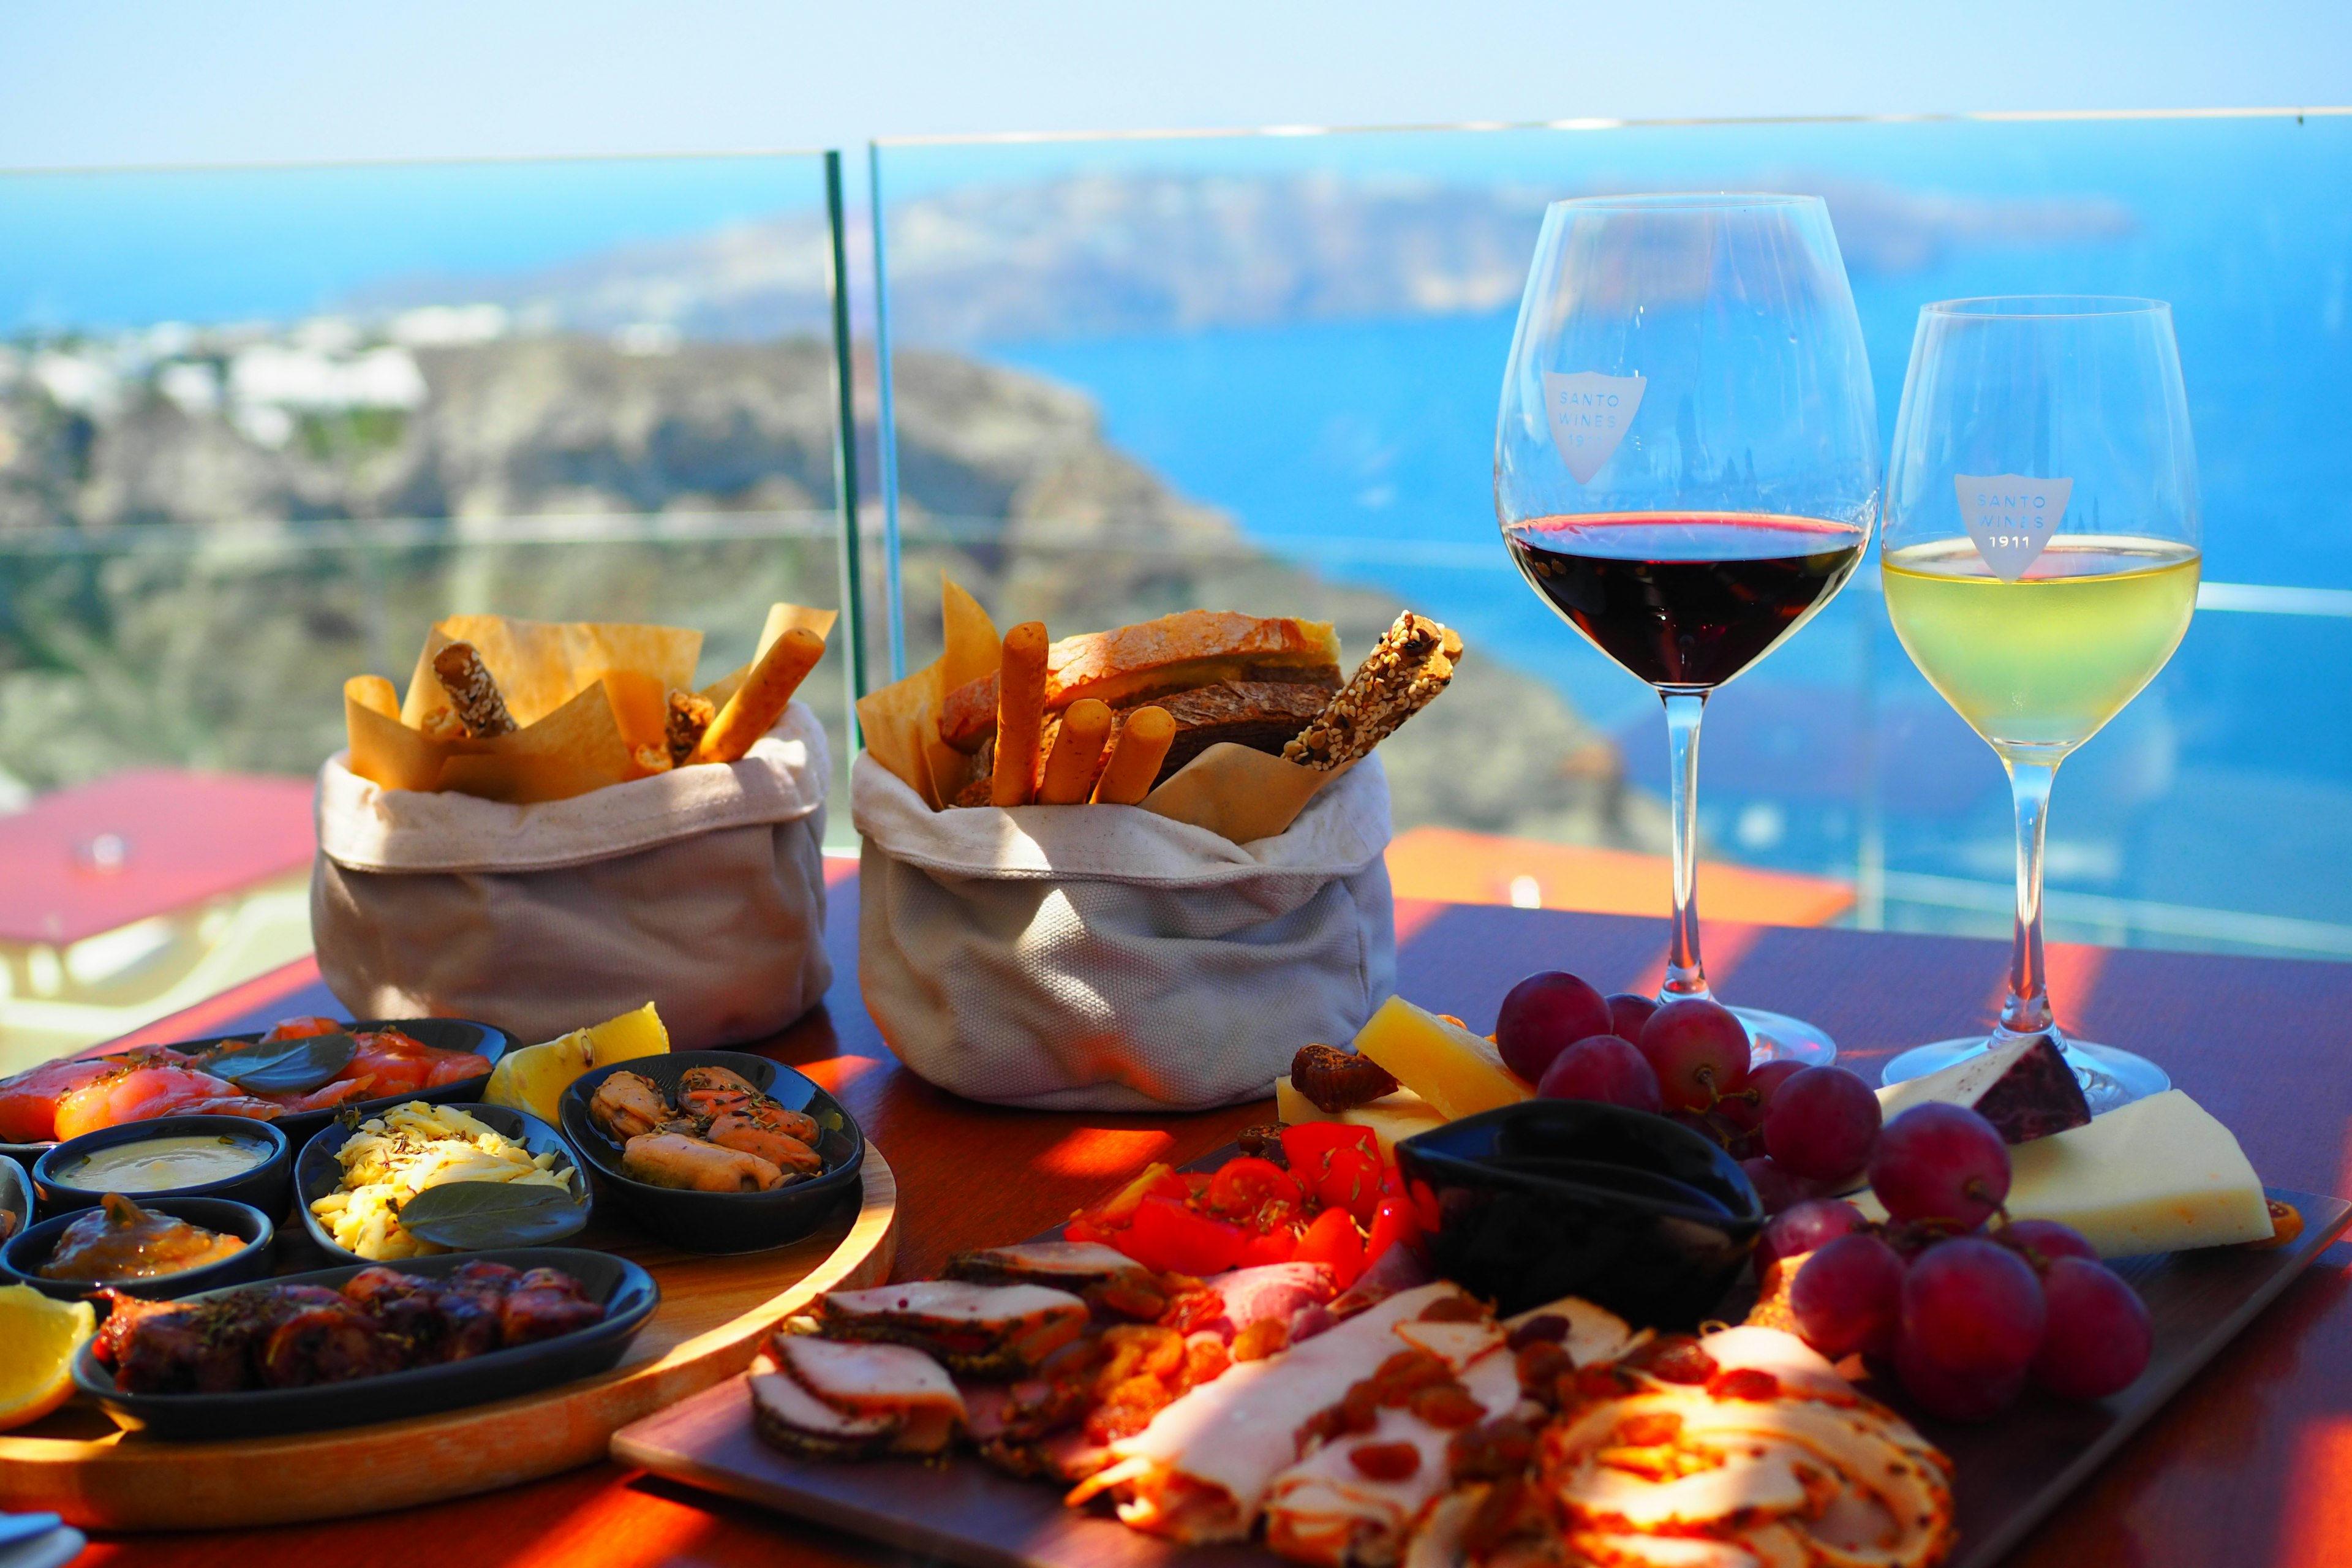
{"x": 2160, "y": 1175}
{"x": 1457, "y": 1071}
{"x": 1399, "y": 1115}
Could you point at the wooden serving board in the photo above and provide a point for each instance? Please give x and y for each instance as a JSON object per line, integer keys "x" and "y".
{"x": 2011, "y": 1471}
{"x": 714, "y": 1313}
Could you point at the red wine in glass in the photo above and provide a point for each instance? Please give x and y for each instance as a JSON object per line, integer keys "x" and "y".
{"x": 1686, "y": 600}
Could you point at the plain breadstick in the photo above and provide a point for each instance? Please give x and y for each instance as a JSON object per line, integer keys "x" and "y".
{"x": 1019, "y": 715}
{"x": 1070, "y": 770}
{"x": 759, "y": 701}
{"x": 1135, "y": 757}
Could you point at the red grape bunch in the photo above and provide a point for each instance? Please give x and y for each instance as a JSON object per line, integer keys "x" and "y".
{"x": 1965, "y": 1316}
{"x": 1799, "y": 1131}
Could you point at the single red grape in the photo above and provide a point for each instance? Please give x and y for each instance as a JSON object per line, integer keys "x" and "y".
{"x": 1543, "y": 1016}
{"x": 1778, "y": 1188}
{"x": 1848, "y": 1297}
{"x": 2043, "y": 1241}
{"x": 1973, "y": 1307}
{"x": 1802, "y": 1227}
{"x": 1765, "y": 1079}
{"x": 1955, "y": 1396}
{"x": 2099, "y": 1337}
{"x": 1603, "y": 1068}
{"x": 1698, "y": 1050}
{"x": 1941, "y": 1162}
{"x": 1628, "y": 1011}
{"x": 1821, "y": 1123}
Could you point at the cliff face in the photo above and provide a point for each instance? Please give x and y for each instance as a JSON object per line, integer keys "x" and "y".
{"x": 192, "y": 583}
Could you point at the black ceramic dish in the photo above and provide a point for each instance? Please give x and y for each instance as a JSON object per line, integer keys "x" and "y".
{"x": 628, "y": 1293}
{"x": 264, "y": 1186}
{"x": 15, "y": 1200}
{"x": 317, "y": 1174}
{"x": 726, "y": 1222}
{"x": 484, "y": 1040}
{"x": 21, "y": 1259}
{"x": 1566, "y": 1197}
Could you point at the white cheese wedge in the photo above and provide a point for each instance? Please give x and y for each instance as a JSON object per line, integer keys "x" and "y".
{"x": 2160, "y": 1175}
{"x": 1399, "y": 1115}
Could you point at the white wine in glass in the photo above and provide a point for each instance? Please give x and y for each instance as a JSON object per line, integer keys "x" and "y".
{"x": 2040, "y": 564}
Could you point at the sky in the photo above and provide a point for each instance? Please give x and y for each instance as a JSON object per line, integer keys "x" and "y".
{"x": 110, "y": 82}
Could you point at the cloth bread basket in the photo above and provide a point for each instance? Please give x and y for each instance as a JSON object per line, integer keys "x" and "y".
{"x": 1104, "y": 958}
{"x": 700, "y": 889}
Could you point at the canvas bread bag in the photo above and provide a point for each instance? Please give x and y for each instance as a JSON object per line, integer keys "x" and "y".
{"x": 702, "y": 890}
{"x": 1108, "y": 958}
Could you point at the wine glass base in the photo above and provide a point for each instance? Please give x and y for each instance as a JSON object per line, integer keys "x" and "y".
{"x": 1777, "y": 1037}
{"x": 2109, "y": 1076}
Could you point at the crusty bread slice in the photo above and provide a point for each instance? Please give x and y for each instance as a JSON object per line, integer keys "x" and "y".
{"x": 1131, "y": 665}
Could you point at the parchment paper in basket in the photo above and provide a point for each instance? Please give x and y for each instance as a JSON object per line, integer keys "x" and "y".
{"x": 585, "y": 696}
{"x": 1240, "y": 795}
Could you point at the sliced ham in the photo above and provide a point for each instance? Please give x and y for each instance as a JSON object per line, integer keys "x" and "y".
{"x": 790, "y": 1418}
{"x": 869, "y": 1382}
{"x": 1227, "y": 1303}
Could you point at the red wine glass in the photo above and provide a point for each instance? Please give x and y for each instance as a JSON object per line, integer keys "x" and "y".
{"x": 1687, "y": 463}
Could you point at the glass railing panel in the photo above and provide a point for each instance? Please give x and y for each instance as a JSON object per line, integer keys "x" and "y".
{"x": 1294, "y": 342}
{"x": 259, "y": 429}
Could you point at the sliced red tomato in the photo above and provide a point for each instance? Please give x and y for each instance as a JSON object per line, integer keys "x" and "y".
{"x": 1352, "y": 1180}
{"x": 1170, "y": 1238}
{"x": 1395, "y": 1225}
{"x": 1244, "y": 1185}
{"x": 1307, "y": 1144}
{"x": 1274, "y": 1247}
{"x": 1332, "y": 1241}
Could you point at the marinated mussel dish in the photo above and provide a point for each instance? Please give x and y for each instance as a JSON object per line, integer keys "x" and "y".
{"x": 722, "y": 1136}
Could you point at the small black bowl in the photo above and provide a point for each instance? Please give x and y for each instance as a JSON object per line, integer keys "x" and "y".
{"x": 15, "y": 1200}
{"x": 627, "y": 1291}
{"x": 264, "y": 1186}
{"x": 21, "y": 1259}
{"x": 317, "y": 1174}
{"x": 484, "y": 1040}
{"x": 726, "y": 1222}
{"x": 1570, "y": 1197}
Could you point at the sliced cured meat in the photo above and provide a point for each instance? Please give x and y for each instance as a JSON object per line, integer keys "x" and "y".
{"x": 876, "y": 1382}
{"x": 1064, "y": 1264}
{"x": 1227, "y": 1303}
{"x": 980, "y": 1331}
{"x": 792, "y": 1418}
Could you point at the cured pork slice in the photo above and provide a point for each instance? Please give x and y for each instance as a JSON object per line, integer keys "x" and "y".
{"x": 1199, "y": 1472}
{"x": 1063, "y": 1265}
{"x": 1227, "y": 1303}
{"x": 862, "y": 1383}
{"x": 790, "y": 1418}
{"x": 980, "y": 1331}
{"x": 1324, "y": 1509}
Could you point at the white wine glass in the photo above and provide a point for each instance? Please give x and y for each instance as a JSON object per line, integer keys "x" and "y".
{"x": 2040, "y": 558}
{"x": 1687, "y": 465}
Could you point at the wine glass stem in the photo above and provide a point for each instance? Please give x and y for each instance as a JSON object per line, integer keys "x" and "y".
{"x": 1686, "y": 975}
{"x": 2027, "y": 1010}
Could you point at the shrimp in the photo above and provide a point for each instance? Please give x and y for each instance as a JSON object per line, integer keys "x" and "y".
{"x": 141, "y": 1091}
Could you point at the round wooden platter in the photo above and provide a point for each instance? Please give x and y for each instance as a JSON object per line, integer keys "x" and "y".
{"x": 714, "y": 1312}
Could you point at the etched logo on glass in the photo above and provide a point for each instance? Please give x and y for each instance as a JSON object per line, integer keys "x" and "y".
{"x": 2012, "y": 518}
{"x": 1589, "y": 413}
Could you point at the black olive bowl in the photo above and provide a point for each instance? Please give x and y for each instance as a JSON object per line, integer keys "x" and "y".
{"x": 484, "y": 1040}
{"x": 726, "y": 1222}
{"x": 317, "y": 1174}
{"x": 21, "y": 1259}
{"x": 1568, "y": 1198}
{"x": 15, "y": 1200}
{"x": 627, "y": 1293}
{"x": 265, "y": 1186}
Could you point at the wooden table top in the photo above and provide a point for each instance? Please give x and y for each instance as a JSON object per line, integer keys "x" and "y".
{"x": 2251, "y": 1465}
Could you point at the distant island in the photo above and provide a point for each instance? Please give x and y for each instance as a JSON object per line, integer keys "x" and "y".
{"x": 202, "y": 534}
{"x": 1095, "y": 254}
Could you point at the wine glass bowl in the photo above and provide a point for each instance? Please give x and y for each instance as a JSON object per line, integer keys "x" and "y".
{"x": 2040, "y": 558}
{"x": 1686, "y": 462}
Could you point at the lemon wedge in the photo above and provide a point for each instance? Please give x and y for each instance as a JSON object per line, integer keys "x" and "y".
{"x": 535, "y": 1077}
{"x": 42, "y": 1335}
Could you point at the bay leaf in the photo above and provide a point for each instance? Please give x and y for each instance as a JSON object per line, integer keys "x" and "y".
{"x": 475, "y": 1216}
{"x": 282, "y": 1066}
